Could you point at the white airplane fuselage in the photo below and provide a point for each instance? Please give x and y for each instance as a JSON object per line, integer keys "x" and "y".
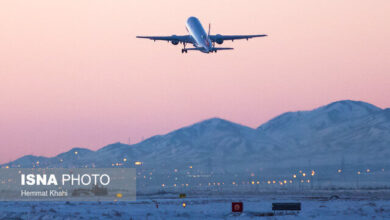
{"x": 199, "y": 35}
{"x": 201, "y": 40}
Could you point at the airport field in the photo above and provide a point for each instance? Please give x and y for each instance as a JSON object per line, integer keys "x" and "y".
{"x": 373, "y": 204}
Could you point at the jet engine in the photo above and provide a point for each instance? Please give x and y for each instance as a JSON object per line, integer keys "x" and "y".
{"x": 174, "y": 42}
{"x": 219, "y": 39}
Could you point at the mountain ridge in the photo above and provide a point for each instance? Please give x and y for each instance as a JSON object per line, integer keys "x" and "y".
{"x": 337, "y": 128}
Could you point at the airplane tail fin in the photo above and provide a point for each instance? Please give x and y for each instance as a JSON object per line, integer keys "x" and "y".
{"x": 209, "y": 29}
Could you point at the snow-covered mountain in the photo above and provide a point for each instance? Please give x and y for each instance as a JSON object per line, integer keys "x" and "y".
{"x": 355, "y": 130}
{"x": 298, "y": 125}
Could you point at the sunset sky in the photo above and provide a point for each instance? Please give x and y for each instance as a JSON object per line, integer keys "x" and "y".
{"x": 72, "y": 73}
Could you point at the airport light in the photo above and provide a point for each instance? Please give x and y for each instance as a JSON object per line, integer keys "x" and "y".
{"x": 253, "y": 182}
{"x": 290, "y": 181}
{"x": 76, "y": 152}
{"x": 308, "y": 181}
{"x": 269, "y": 182}
{"x": 274, "y": 182}
{"x": 6, "y": 167}
{"x": 184, "y": 204}
{"x": 300, "y": 171}
{"x": 313, "y": 172}
{"x": 285, "y": 181}
{"x": 339, "y": 171}
{"x": 294, "y": 176}
{"x": 258, "y": 182}
{"x": 137, "y": 163}
{"x": 368, "y": 170}
{"x": 234, "y": 183}
{"x": 124, "y": 159}
{"x": 190, "y": 167}
{"x": 358, "y": 172}
{"x": 304, "y": 174}
{"x": 163, "y": 185}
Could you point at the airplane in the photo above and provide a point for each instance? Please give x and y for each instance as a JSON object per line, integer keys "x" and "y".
{"x": 199, "y": 39}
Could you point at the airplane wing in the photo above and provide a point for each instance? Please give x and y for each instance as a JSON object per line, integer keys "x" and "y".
{"x": 221, "y": 38}
{"x": 174, "y": 38}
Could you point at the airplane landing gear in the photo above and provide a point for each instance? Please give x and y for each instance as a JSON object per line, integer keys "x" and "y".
{"x": 184, "y": 50}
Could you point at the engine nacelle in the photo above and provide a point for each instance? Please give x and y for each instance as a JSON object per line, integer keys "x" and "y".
{"x": 219, "y": 39}
{"x": 174, "y": 42}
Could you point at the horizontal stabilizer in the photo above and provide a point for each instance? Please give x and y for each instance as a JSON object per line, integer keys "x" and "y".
{"x": 214, "y": 49}
{"x": 195, "y": 48}
{"x": 222, "y": 48}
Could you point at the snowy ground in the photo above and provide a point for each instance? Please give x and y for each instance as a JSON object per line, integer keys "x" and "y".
{"x": 365, "y": 205}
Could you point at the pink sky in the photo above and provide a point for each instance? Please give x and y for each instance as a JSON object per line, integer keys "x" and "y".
{"x": 72, "y": 73}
